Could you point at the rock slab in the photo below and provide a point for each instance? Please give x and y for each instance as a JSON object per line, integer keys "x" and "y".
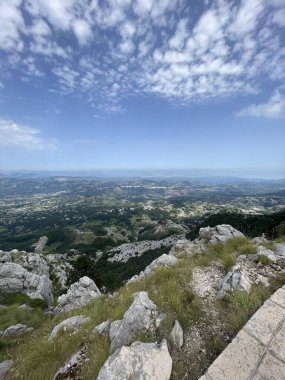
{"x": 72, "y": 324}
{"x": 162, "y": 261}
{"x": 141, "y": 315}
{"x": 79, "y": 294}
{"x": 140, "y": 361}
{"x": 219, "y": 234}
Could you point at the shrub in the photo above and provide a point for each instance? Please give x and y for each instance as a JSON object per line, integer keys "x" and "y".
{"x": 264, "y": 260}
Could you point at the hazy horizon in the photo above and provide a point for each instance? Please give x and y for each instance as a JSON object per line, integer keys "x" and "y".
{"x": 254, "y": 174}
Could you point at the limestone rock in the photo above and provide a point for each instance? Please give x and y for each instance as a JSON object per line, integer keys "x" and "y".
{"x": 141, "y": 315}
{"x": 259, "y": 240}
{"x": 140, "y": 361}
{"x": 71, "y": 368}
{"x": 177, "y": 335}
{"x": 162, "y": 261}
{"x": 14, "y": 278}
{"x": 72, "y": 324}
{"x": 102, "y": 328}
{"x": 236, "y": 279}
{"x": 220, "y": 233}
{"x": 280, "y": 250}
{"x": 126, "y": 251}
{"x": 79, "y": 294}
{"x": 5, "y": 367}
{"x": 262, "y": 251}
{"x": 39, "y": 246}
{"x": 18, "y": 329}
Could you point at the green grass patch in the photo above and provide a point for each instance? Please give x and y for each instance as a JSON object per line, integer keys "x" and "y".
{"x": 264, "y": 260}
{"x": 237, "y": 307}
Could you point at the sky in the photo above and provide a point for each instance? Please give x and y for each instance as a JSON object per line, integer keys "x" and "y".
{"x": 132, "y": 84}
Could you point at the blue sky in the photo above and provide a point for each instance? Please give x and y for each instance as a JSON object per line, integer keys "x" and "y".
{"x": 88, "y": 84}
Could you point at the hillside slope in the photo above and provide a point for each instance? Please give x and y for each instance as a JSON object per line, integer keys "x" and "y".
{"x": 187, "y": 305}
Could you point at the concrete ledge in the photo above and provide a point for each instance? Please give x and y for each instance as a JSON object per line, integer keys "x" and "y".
{"x": 258, "y": 350}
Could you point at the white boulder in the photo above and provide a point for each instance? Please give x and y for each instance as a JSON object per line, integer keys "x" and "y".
{"x": 79, "y": 294}
{"x": 141, "y": 315}
{"x": 162, "y": 261}
{"x": 72, "y": 324}
{"x": 140, "y": 361}
{"x": 177, "y": 335}
{"x": 220, "y": 233}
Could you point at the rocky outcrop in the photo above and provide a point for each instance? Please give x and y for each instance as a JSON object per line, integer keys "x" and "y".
{"x": 259, "y": 240}
{"x": 147, "y": 361}
{"x": 72, "y": 324}
{"x": 14, "y": 278}
{"x": 162, "y": 261}
{"x": 102, "y": 328}
{"x": 71, "y": 368}
{"x": 4, "y": 368}
{"x": 177, "y": 335}
{"x": 79, "y": 294}
{"x": 141, "y": 315}
{"x": 280, "y": 250}
{"x": 18, "y": 329}
{"x": 39, "y": 245}
{"x": 126, "y": 251}
{"x": 236, "y": 279}
{"x": 33, "y": 262}
{"x": 220, "y": 233}
{"x": 262, "y": 251}
{"x": 61, "y": 266}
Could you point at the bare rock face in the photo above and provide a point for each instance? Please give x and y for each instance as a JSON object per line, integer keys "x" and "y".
{"x": 280, "y": 250}
{"x": 72, "y": 324}
{"x": 141, "y": 315}
{"x": 259, "y": 240}
{"x": 236, "y": 279}
{"x": 220, "y": 233}
{"x": 33, "y": 262}
{"x": 141, "y": 361}
{"x": 18, "y": 329}
{"x": 5, "y": 367}
{"x": 177, "y": 335}
{"x": 72, "y": 367}
{"x": 126, "y": 251}
{"x": 79, "y": 294}
{"x": 102, "y": 328}
{"x": 262, "y": 251}
{"x": 14, "y": 278}
{"x": 39, "y": 246}
{"x": 162, "y": 261}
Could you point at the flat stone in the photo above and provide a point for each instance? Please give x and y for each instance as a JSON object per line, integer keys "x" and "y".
{"x": 278, "y": 343}
{"x": 270, "y": 368}
{"x": 4, "y": 368}
{"x": 238, "y": 360}
{"x": 102, "y": 328}
{"x": 265, "y": 321}
{"x": 72, "y": 324}
{"x": 279, "y": 297}
{"x": 140, "y": 361}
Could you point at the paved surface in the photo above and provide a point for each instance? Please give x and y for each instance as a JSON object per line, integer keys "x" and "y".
{"x": 258, "y": 350}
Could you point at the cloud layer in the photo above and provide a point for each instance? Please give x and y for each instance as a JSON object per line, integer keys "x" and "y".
{"x": 184, "y": 51}
{"x": 273, "y": 109}
{"x": 16, "y": 135}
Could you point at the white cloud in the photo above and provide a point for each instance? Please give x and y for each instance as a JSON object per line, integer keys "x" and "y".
{"x": 82, "y": 31}
{"x": 273, "y": 109}
{"x": 12, "y": 23}
{"x": 161, "y": 47}
{"x": 13, "y": 134}
{"x": 279, "y": 17}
